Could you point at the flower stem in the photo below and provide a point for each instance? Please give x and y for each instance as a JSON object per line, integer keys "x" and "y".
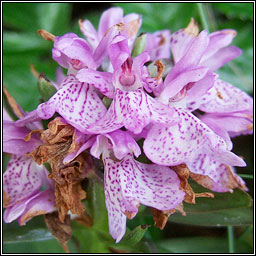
{"x": 203, "y": 16}
{"x": 246, "y": 176}
{"x": 231, "y": 244}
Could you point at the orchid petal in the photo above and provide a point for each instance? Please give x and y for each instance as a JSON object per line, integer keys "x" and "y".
{"x": 222, "y": 57}
{"x": 13, "y": 139}
{"x": 216, "y": 176}
{"x": 100, "y": 80}
{"x": 90, "y": 33}
{"x": 218, "y": 40}
{"x": 121, "y": 142}
{"x": 176, "y": 85}
{"x": 150, "y": 184}
{"x": 22, "y": 178}
{"x": 69, "y": 49}
{"x": 41, "y": 203}
{"x": 173, "y": 145}
{"x": 225, "y": 98}
{"x": 180, "y": 43}
{"x": 108, "y": 19}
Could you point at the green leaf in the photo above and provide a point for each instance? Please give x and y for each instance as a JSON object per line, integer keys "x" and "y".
{"x": 135, "y": 235}
{"x": 193, "y": 245}
{"x": 21, "y": 16}
{"x": 29, "y": 43}
{"x": 139, "y": 45}
{"x": 243, "y": 11}
{"x": 222, "y": 210}
{"x": 96, "y": 205}
{"x": 45, "y": 87}
{"x": 54, "y": 17}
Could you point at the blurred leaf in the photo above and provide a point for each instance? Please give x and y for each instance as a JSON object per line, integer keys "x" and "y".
{"x": 6, "y": 159}
{"x": 29, "y": 43}
{"x": 21, "y": 16}
{"x": 54, "y": 17}
{"x": 236, "y": 10}
{"x": 158, "y": 16}
{"x": 247, "y": 237}
{"x": 135, "y": 235}
{"x": 222, "y": 210}
{"x": 96, "y": 205}
{"x": 89, "y": 239}
{"x": 239, "y": 72}
{"x": 193, "y": 245}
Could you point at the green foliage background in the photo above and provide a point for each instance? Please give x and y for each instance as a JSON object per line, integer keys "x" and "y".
{"x": 22, "y": 47}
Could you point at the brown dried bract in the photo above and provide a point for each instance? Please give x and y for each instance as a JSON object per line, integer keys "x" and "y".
{"x": 161, "y": 217}
{"x": 6, "y": 200}
{"x": 60, "y": 139}
{"x": 13, "y": 104}
{"x": 62, "y": 231}
{"x": 192, "y": 28}
{"x": 45, "y": 34}
{"x": 184, "y": 173}
{"x": 85, "y": 220}
{"x": 160, "y": 69}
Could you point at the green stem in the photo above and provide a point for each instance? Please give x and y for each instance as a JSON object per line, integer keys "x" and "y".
{"x": 203, "y": 16}
{"x": 231, "y": 240}
{"x": 246, "y": 176}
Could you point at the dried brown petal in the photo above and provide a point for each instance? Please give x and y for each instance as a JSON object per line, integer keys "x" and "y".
{"x": 161, "y": 217}
{"x": 30, "y": 214}
{"x": 45, "y": 34}
{"x": 85, "y": 220}
{"x": 6, "y": 200}
{"x": 160, "y": 69}
{"x": 192, "y": 28}
{"x": 183, "y": 173}
{"x": 132, "y": 27}
{"x": 61, "y": 231}
{"x": 13, "y": 104}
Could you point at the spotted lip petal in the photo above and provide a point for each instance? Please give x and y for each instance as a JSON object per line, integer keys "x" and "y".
{"x": 134, "y": 110}
{"x": 70, "y": 50}
{"x": 22, "y": 178}
{"x": 78, "y": 103}
{"x": 129, "y": 183}
{"x": 173, "y": 145}
{"x": 225, "y": 98}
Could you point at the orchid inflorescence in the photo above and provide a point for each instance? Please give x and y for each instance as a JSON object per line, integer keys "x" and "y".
{"x": 153, "y": 121}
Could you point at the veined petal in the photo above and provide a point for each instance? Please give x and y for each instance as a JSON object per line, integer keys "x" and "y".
{"x": 109, "y": 18}
{"x": 234, "y": 123}
{"x": 149, "y": 184}
{"x": 90, "y": 33}
{"x": 225, "y": 98}
{"x": 78, "y": 103}
{"x": 70, "y": 49}
{"x": 40, "y": 203}
{"x": 13, "y": 139}
{"x": 100, "y": 80}
{"x": 176, "y": 85}
{"x": 218, "y": 40}
{"x": 221, "y": 57}
{"x": 129, "y": 183}
{"x": 192, "y": 57}
{"x": 173, "y": 145}
{"x": 134, "y": 110}
{"x": 180, "y": 43}
{"x": 213, "y": 174}
{"x": 22, "y": 178}
{"x": 113, "y": 198}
